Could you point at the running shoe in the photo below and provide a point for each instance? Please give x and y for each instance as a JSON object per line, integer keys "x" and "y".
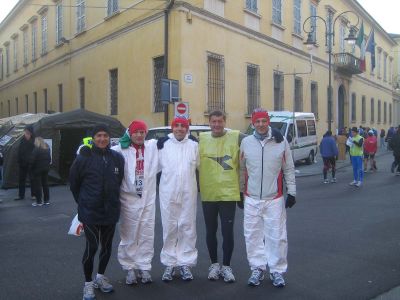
{"x": 277, "y": 279}
{"x": 256, "y": 277}
{"x": 227, "y": 274}
{"x": 103, "y": 283}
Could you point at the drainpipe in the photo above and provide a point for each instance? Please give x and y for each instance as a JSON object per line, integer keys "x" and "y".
{"x": 166, "y": 37}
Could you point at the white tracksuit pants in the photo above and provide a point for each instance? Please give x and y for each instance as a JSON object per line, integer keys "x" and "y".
{"x": 136, "y": 249}
{"x": 179, "y": 231}
{"x": 265, "y": 234}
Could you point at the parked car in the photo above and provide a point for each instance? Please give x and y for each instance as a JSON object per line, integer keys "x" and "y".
{"x": 303, "y": 140}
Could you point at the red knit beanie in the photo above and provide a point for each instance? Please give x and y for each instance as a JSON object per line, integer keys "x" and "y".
{"x": 137, "y": 125}
{"x": 179, "y": 120}
{"x": 259, "y": 114}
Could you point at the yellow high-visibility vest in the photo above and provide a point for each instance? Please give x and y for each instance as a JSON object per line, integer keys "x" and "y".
{"x": 219, "y": 167}
{"x": 354, "y": 149}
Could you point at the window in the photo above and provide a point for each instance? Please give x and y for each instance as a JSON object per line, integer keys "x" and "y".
{"x": 9, "y": 108}
{"x": 342, "y": 36}
{"x": 27, "y": 103}
{"x": 81, "y": 92}
{"x": 60, "y": 97}
{"x": 26, "y": 45}
{"x": 35, "y": 104}
{"x": 311, "y": 127}
{"x": 158, "y": 73}
{"x": 313, "y": 21}
{"x": 385, "y": 67}
{"x": 112, "y": 7}
{"x": 277, "y": 11}
{"x": 216, "y": 82}
{"x": 44, "y": 33}
{"x": 379, "y": 111}
{"x": 15, "y": 53}
{"x": 353, "y": 107}
{"x": 251, "y": 5}
{"x": 278, "y": 91}
{"x": 253, "y": 87}
{"x": 372, "y": 110}
{"x": 390, "y": 113}
{"x": 301, "y": 128}
{"x": 378, "y": 62}
{"x": 80, "y": 15}
{"x": 384, "y": 112}
{"x": 314, "y": 98}
{"x": 297, "y": 16}
{"x": 114, "y": 91}
{"x": 2, "y": 109}
{"x": 59, "y": 22}
{"x": 7, "y": 59}
{"x": 45, "y": 100}
{"x": 34, "y": 40}
{"x": 363, "y": 109}
{"x": 16, "y": 105}
{"x": 298, "y": 94}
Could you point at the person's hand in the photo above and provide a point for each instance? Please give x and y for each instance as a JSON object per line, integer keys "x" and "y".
{"x": 240, "y": 203}
{"x": 290, "y": 201}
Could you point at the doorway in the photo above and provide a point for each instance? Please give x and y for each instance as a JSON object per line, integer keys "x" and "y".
{"x": 69, "y": 143}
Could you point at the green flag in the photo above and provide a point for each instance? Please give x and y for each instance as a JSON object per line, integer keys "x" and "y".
{"x": 360, "y": 36}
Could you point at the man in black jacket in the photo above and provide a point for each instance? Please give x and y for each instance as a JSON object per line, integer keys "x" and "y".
{"x": 24, "y": 153}
{"x": 95, "y": 178}
{"x": 395, "y": 145}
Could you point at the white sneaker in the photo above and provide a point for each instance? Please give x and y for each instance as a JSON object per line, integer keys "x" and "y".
{"x": 214, "y": 271}
{"x": 168, "y": 274}
{"x": 227, "y": 274}
{"x": 358, "y": 184}
{"x": 88, "y": 291}
{"x": 145, "y": 276}
{"x": 353, "y": 182}
{"x": 131, "y": 277}
{"x": 103, "y": 283}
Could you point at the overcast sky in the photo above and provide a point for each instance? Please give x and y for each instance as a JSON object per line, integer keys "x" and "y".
{"x": 385, "y": 12}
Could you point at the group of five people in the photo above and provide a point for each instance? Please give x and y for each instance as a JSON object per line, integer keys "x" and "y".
{"x": 120, "y": 184}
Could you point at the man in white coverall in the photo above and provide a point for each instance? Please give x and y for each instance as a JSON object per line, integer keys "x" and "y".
{"x": 178, "y": 158}
{"x": 266, "y": 161}
{"x": 137, "y": 196}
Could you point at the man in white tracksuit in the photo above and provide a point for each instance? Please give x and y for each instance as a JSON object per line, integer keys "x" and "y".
{"x": 178, "y": 158}
{"x": 137, "y": 196}
{"x": 266, "y": 161}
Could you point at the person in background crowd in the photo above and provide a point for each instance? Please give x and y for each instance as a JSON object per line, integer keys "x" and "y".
{"x": 382, "y": 138}
{"x": 265, "y": 159}
{"x": 370, "y": 148}
{"x": 329, "y": 152}
{"x": 178, "y": 158}
{"x": 39, "y": 165}
{"x": 220, "y": 192}
{"x": 356, "y": 152}
{"x": 24, "y": 153}
{"x": 395, "y": 145}
{"x": 390, "y": 133}
{"x": 341, "y": 144}
{"x": 138, "y": 203}
{"x": 95, "y": 179}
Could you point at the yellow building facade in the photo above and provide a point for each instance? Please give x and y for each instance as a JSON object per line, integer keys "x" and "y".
{"x": 109, "y": 56}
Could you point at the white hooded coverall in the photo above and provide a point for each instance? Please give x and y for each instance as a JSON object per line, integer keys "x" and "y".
{"x": 136, "y": 249}
{"x": 178, "y": 195}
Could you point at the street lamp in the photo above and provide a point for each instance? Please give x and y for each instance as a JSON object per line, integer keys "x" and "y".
{"x": 329, "y": 42}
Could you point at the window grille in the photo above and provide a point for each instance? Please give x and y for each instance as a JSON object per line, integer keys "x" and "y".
{"x": 298, "y": 94}
{"x": 277, "y": 11}
{"x": 253, "y": 87}
{"x": 216, "y": 82}
{"x": 82, "y": 92}
{"x": 158, "y": 73}
{"x": 314, "y": 98}
{"x": 353, "y": 107}
{"x": 114, "y": 92}
{"x": 278, "y": 91}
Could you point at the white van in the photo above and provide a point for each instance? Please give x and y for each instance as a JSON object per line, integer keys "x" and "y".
{"x": 303, "y": 141}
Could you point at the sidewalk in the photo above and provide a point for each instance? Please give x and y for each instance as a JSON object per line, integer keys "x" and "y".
{"x": 393, "y": 294}
{"x": 303, "y": 170}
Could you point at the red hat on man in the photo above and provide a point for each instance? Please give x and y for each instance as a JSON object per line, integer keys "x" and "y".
{"x": 179, "y": 120}
{"x": 137, "y": 125}
{"x": 258, "y": 114}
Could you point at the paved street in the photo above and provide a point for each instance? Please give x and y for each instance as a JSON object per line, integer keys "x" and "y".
{"x": 344, "y": 243}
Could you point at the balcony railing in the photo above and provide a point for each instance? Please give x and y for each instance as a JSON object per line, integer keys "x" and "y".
{"x": 347, "y": 63}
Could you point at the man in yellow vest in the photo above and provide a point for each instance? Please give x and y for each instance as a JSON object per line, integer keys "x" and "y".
{"x": 219, "y": 188}
{"x": 356, "y": 152}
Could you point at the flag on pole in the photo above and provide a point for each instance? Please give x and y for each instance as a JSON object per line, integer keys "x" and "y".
{"x": 370, "y": 47}
{"x": 361, "y": 43}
